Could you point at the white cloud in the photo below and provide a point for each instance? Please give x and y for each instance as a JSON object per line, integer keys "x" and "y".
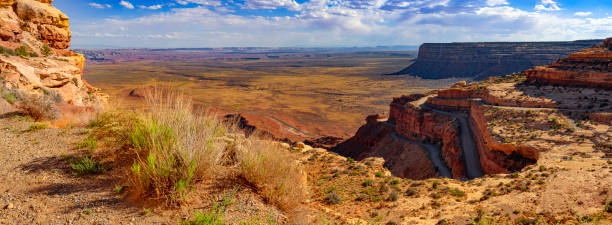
{"x": 340, "y": 23}
{"x": 497, "y": 2}
{"x": 272, "y": 4}
{"x": 548, "y": 5}
{"x": 126, "y": 4}
{"x": 582, "y": 14}
{"x": 214, "y": 3}
{"x": 100, "y": 6}
{"x": 152, "y": 7}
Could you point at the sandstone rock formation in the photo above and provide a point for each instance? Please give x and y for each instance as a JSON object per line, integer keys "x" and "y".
{"x": 34, "y": 37}
{"x": 590, "y": 67}
{"x": 481, "y": 60}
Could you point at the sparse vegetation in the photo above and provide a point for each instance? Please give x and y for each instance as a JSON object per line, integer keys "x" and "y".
{"x": 36, "y": 127}
{"x": 40, "y": 107}
{"x": 86, "y": 166}
{"x": 45, "y": 50}
{"x": 173, "y": 148}
{"x": 90, "y": 143}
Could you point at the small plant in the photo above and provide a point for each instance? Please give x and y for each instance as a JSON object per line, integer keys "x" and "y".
{"x": 89, "y": 143}
{"x": 435, "y": 184}
{"x": 411, "y": 192}
{"x": 378, "y": 174}
{"x": 608, "y": 207}
{"x": 213, "y": 217}
{"x": 9, "y": 97}
{"x": 36, "y": 127}
{"x": 87, "y": 211}
{"x": 22, "y": 51}
{"x": 332, "y": 198}
{"x": 393, "y": 196}
{"x": 350, "y": 160}
{"x": 395, "y": 182}
{"x": 146, "y": 211}
{"x": 45, "y": 50}
{"x": 367, "y": 183}
{"x": 40, "y": 107}
{"x": 456, "y": 192}
{"x": 118, "y": 189}
{"x": 86, "y": 166}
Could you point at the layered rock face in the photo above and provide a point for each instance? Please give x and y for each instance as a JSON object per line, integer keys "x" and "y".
{"x": 34, "y": 37}
{"x": 590, "y": 67}
{"x": 481, "y": 60}
{"x": 378, "y": 139}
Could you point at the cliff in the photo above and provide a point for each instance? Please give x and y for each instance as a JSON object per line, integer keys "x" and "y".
{"x": 590, "y": 67}
{"x": 483, "y": 59}
{"x": 499, "y": 125}
{"x": 35, "y": 61}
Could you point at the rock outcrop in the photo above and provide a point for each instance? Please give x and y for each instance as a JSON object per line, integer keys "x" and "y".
{"x": 484, "y": 59}
{"x": 34, "y": 37}
{"x": 591, "y": 67}
{"x": 379, "y": 139}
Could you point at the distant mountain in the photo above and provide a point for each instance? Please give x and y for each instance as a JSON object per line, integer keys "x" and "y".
{"x": 479, "y": 60}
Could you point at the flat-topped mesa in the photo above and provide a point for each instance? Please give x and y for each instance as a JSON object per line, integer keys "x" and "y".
{"x": 480, "y": 60}
{"x": 34, "y": 59}
{"x": 591, "y": 67}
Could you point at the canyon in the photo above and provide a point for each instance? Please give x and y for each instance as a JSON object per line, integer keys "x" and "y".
{"x": 459, "y": 122}
{"x": 479, "y": 60}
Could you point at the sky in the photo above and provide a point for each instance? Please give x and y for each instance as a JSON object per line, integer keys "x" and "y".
{"x": 329, "y": 23}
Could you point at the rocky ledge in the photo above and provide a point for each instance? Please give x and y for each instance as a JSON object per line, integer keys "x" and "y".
{"x": 590, "y": 67}
{"x": 35, "y": 60}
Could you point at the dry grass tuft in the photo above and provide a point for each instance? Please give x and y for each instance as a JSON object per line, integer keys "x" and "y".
{"x": 40, "y": 107}
{"x": 275, "y": 173}
{"x": 174, "y": 147}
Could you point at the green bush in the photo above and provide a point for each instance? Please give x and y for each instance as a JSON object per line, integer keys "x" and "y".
{"x": 367, "y": 182}
{"x": 90, "y": 143}
{"x": 22, "y": 51}
{"x": 9, "y": 97}
{"x": 36, "y": 127}
{"x": 7, "y": 51}
{"x": 86, "y": 166}
{"x": 45, "y": 50}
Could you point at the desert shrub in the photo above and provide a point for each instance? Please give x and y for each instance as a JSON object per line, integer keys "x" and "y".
{"x": 90, "y": 143}
{"x": 86, "y": 166}
{"x": 45, "y": 50}
{"x": 40, "y": 107}
{"x": 7, "y": 51}
{"x": 22, "y": 51}
{"x": 393, "y": 196}
{"x": 9, "y": 97}
{"x": 332, "y": 198}
{"x": 57, "y": 97}
{"x": 608, "y": 207}
{"x": 367, "y": 182}
{"x": 174, "y": 147}
{"x": 36, "y": 127}
{"x": 275, "y": 173}
{"x": 456, "y": 192}
{"x": 378, "y": 174}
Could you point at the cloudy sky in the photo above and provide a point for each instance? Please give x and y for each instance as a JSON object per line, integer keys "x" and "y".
{"x": 325, "y": 23}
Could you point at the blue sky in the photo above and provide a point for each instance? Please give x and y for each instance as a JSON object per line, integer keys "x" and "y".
{"x": 327, "y": 23}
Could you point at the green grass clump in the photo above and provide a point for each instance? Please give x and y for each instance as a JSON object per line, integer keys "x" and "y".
{"x": 89, "y": 143}
{"x": 36, "y": 127}
{"x": 9, "y": 97}
{"x": 86, "y": 166}
{"x": 456, "y": 192}
{"x": 45, "y": 50}
{"x": 7, "y": 51}
{"x": 367, "y": 183}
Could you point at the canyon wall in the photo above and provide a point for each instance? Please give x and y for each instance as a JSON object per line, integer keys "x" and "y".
{"x": 484, "y": 59}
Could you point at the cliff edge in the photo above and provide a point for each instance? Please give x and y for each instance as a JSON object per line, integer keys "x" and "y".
{"x": 35, "y": 65}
